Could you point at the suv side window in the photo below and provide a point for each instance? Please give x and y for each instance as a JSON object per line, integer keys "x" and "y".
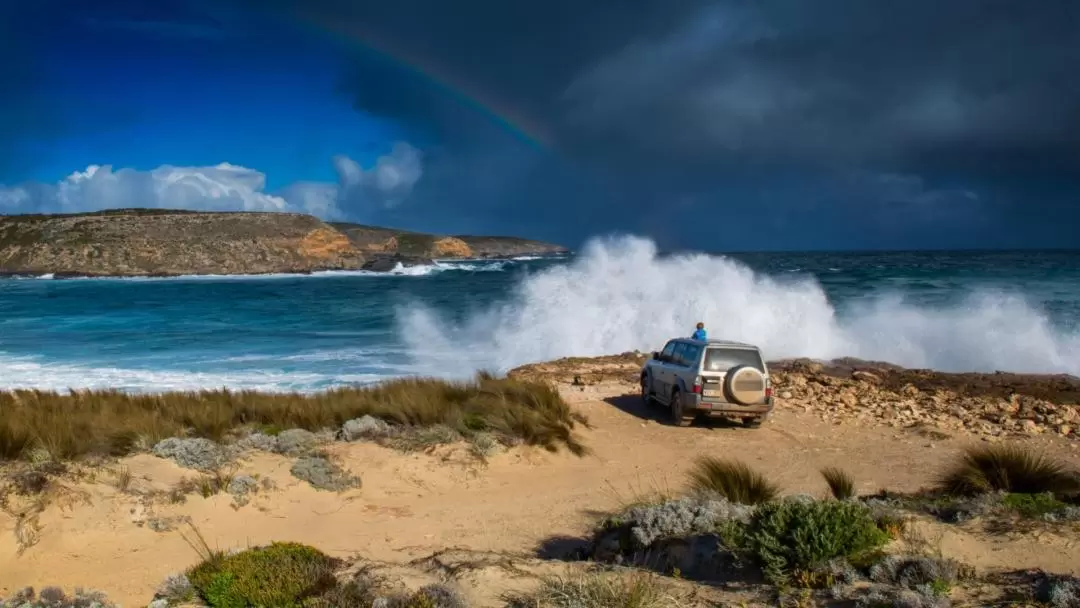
{"x": 690, "y": 354}
{"x": 680, "y": 353}
{"x": 669, "y": 349}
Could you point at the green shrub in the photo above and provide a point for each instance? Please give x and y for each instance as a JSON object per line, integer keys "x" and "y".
{"x": 733, "y": 480}
{"x": 1032, "y": 505}
{"x": 281, "y": 575}
{"x": 791, "y": 536}
{"x": 841, "y": 485}
{"x": 1008, "y": 468}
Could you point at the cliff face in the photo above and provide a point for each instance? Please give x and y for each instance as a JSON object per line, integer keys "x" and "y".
{"x": 373, "y": 239}
{"x": 151, "y": 242}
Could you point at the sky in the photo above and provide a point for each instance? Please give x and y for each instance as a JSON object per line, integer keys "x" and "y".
{"x": 723, "y": 125}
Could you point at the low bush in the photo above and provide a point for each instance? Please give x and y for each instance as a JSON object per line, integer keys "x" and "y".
{"x": 55, "y": 597}
{"x": 114, "y": 423}
{"x": 733, "y": 480}
{"x": 841, "y": 485}
{"x": 796, "y": 535}
{"x": 283, "y": 575}
{"x": 1008, "y": 468}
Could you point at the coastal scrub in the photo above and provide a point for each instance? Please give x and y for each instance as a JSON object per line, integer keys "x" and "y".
{"x": 114, "y": 423}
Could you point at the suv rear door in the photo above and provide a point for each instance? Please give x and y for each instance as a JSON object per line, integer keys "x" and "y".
{"x": 716, "y": 363}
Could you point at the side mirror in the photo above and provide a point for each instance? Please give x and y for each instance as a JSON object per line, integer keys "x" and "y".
{"x": 656, "y": 356}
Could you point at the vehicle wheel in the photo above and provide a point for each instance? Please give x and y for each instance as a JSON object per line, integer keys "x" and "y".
{"x": 646, "y": 390}
{"x": 678, "y": 416}
{"x": 755, "y": 422}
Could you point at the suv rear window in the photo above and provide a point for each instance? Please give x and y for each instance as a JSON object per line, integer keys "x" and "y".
{"x": 723, "y": 359}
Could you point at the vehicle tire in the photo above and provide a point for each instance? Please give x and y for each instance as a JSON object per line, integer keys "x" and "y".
{"x": 755, "y": 422}
{"x": 646, "y": 390}
{"x": 744, "y": 385}
{"x": 678, "y": 416}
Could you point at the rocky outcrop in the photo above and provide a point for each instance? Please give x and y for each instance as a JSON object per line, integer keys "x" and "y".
{"x": 162, "y": 243}
{"x": 988, "y": 405}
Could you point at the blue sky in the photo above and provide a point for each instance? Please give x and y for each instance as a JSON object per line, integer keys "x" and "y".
{"x": 955, "y": 128}
{"x": 152, "y": 98}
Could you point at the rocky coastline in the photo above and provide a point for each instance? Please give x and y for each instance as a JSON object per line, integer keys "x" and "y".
{"x": 157, "y": 243}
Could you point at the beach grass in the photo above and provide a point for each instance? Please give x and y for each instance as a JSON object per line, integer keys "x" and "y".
{"x": 66, "y": 426}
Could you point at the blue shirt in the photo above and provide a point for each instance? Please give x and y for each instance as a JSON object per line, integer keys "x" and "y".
{"x": 700, "y": 335}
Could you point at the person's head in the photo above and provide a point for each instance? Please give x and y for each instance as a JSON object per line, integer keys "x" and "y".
{"x": 700, "y": 325}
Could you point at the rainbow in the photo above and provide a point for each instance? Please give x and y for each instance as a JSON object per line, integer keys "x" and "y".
{"x": 457, "y": 84}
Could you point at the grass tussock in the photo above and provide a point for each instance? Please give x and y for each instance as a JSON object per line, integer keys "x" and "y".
{"x": 732, "y": 479}
{"x": 598, "y": 590}
{"x": 841, "y": 484}
{"x": 1008, "y": 468}
{"x": 114, "y": 423}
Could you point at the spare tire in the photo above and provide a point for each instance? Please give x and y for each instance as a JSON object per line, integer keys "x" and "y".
{"x": 744, "y": 385}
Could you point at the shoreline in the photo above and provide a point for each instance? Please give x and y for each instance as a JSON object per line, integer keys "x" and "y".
{"x": 328, "y": 271}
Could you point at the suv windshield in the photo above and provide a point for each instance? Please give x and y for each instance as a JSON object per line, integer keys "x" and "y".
{"x": 723, "y": 359}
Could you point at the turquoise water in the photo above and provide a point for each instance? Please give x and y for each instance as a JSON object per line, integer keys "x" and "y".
{"x": 955, "y": 311}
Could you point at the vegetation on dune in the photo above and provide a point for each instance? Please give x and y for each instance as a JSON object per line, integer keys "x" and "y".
{"x": 282, "y": 574}
{"x": 113, "y": 423}
{"x": 841, "y": 484}
{"x": 1008, "y": 468}
{"x": 795, "y": 536}
{"x": 733, "y": 480}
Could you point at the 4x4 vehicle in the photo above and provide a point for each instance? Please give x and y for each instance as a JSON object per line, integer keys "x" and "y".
{"x": 716, "y": 378}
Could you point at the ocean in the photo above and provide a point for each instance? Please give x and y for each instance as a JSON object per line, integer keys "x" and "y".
{"x": 953, "y": 311}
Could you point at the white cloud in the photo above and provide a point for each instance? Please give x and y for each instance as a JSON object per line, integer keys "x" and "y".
{"x": 223, "y": 187}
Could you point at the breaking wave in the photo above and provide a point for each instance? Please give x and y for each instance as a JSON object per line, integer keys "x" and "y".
{"x": 620, "y": 295}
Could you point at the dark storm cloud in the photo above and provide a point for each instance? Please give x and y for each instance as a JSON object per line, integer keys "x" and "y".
{"x": 900, "y": 84}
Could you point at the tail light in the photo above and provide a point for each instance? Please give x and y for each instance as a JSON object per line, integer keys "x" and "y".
{"x": 697, "y": 385}
{"x": 768, "y": 392}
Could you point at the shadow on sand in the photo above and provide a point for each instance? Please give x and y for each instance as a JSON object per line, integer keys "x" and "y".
{"x": 634, "y": 405}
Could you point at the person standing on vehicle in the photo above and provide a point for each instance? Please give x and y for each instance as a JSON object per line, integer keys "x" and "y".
{"x": 700, "y": 333}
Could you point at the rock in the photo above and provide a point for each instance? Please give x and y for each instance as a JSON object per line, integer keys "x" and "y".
{"x": 296, "y": 442}
{"x": 158, "y": 604}
{"x": 365, "y": 427}
{"x": 1029, "y": 426}
{"x": 1064, "y": 429}
{"x": 323, "y": 474}
{"x": 389, "y": 263}
{"x": 785, "y": 395}
{"x": 198, "y": 453}
{"x": 866, "y": 377}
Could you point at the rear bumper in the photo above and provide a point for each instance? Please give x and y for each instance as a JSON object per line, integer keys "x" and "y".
{"x": 710, "y": 408}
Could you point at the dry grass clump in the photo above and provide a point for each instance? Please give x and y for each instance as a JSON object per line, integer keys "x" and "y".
{"x": 598, "y": 590}
{"x": 841, "y": 484}
{"x": 733, "y": 480}
{"x": 114, "y": 423}
{"x": 1008, "y": 468}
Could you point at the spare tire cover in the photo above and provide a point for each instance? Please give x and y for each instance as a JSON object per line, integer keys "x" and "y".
{"x": 744, "y": 385}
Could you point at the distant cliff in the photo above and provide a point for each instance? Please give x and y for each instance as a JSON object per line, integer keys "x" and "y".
{"x": 143, "y": 242}
{"x": 375, "y": 239}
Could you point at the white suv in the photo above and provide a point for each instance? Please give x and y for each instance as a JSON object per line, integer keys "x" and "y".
{"x": 714, "y": 377}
